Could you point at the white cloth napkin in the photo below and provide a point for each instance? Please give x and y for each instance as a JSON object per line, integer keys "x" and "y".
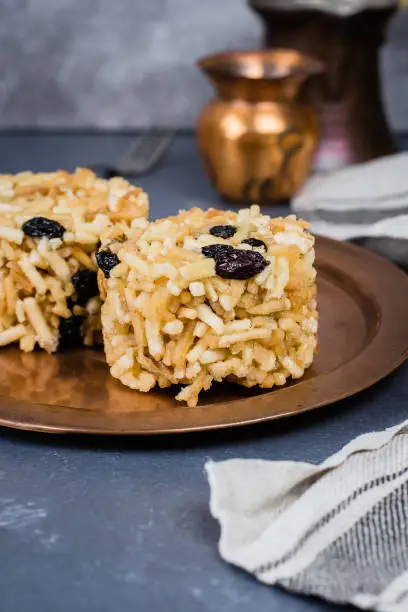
{"x": 365, "y": 201}
{"x": 338, "y": 530}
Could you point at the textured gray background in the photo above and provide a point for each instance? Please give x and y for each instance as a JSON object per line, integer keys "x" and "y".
{"x": 129, "y": 63}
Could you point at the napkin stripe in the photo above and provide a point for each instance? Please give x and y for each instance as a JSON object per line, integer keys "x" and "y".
{"x": 329, "y": 516}
{"x": 387, "y": 197}
{"x": 359, "y": 216}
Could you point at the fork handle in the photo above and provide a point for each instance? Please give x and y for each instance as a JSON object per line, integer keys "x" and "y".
{"x": 145, "y": 153}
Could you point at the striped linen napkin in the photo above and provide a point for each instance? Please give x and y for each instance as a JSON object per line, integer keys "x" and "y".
{"x": 338, "y": 530}
{"x": 365, "y": 202}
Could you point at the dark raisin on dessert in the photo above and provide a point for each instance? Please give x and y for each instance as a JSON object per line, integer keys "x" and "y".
{"x": 216, "y": 250}
{"x": 38, "y": 227}
{"x": 223, "y": 231}
{"x": 106, "y": 260}
{"x": 70, "y": 303}
{"x": 86, "y": 285}
{"x": 240, "y": 264}
{"x": 70, "y": 333}
{"x": 254, "y": 242}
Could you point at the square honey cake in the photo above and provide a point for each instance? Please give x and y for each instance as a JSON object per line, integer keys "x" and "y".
{"x": 210, "y": 295}
{"x": 50, "y": 228}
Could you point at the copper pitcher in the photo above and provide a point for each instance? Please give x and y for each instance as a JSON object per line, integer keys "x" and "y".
{"x": 256, "y": 140}
{"x": 347, "y": 96}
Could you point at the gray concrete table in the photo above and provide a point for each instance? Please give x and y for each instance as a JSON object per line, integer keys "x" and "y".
{"x": 122, "y": 525}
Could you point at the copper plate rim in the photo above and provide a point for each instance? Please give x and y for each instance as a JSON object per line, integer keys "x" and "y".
{"x": 384, "y": 284}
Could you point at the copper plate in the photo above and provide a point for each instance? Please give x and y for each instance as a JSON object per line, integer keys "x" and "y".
{"x": 363, "y": 336}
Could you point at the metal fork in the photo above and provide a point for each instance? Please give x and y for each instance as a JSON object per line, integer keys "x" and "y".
{"x": 142, "y": 156}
